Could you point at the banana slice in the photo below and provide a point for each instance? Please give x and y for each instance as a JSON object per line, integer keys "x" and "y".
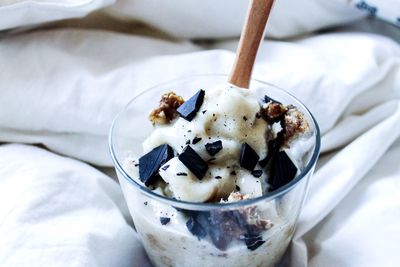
{"x": 216, "y": 184}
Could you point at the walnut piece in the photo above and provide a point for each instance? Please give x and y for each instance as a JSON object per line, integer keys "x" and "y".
{"x": 237, "y": 196}
{"x": 294, "y": 124}
{"x": 273, "y": 112}
{"x": 166, "y": 111}
{"x": 254, "y": 218}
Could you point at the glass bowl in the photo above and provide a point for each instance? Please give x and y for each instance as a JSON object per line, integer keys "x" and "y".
{"x": 253, "y": 232}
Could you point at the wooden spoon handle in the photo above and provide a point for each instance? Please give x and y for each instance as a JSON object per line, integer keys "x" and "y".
{"x": 250, "y": 39}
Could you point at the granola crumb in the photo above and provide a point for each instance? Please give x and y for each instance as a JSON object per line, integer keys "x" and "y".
{"x": 294, "y": 124}
{"x": 273, "y": 112}
{"x": 166, "y": 111}
{"x": 237, "y": 196}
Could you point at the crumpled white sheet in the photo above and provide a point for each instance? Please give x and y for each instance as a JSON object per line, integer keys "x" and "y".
{"x": 57, "y": 211}
{"x": 225, "y": 18}
{"x": 62, "y": 88}
{"x": 17, "y": 13}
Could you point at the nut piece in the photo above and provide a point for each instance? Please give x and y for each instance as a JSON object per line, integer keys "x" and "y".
{"x": 254, "y": 218}
{"x": 237, "y": 196}
{"x": 167, "y": 110}
{"x": 273, "y": 112}
{"x": 294, "y": 124}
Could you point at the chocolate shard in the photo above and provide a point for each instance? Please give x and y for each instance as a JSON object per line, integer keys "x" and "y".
{"x": 196, "y": 140}
{"x": 193, "y": 162}
{"x": 252, "y": 242}
{"x": 283, "y": 170}
{"x": 164, "y": 168}
{"x": 189, "y": 109}
{"x": 150, "y": 163}
{"x": 273, "y": 148}
{"x": 195, "y": 228}
{"x": 248, "y": 157}
{"x": 222, "y": 230}
{"x": 214, "y": 148}
{"x": 269, "y": 99}
{"x": 164, "y": 220}
{"x": 238, "y": 217}
{"x": 223, "y": 227}
{"x": 257, "y": 173}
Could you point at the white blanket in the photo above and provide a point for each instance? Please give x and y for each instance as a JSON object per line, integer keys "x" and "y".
{"x": 62, "y": 88}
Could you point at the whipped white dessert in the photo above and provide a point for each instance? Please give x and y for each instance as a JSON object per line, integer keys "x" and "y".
{"x": 221, "y": 146}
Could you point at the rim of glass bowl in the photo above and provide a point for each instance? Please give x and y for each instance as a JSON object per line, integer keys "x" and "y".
{"x": 208, "y": 206}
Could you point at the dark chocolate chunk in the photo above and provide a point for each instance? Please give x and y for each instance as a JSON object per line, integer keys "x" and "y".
{"x": 258, "y": 116}
{"x": 214, "y": 148}
{"x": 195, "y": 228}
{"x": 204, "y": 111}
{"x": 248, "y": 157}
{"x": 223, "y": 227}
{"x": 136, "y": 164}
{"x": 264, "y": 162}
{"x": 238, "y": 217}
{"x": 145, "y": 203}
{"x": 193, "y": 162}
{"x": 282, "y": 170}
{"x": 181, "y": 174}
{"x": 245, "y": 118}
{"x": 150, "y": 163}
{"x": 187, "y": 142}
{"x": 218, "y": 177}
{"x": 273, "y": 148}
{"x": 257, "y": 173}
{"x": 252, "y": 242}
{"x": 164, "y": 168}
{"x": 268, "y": 99}
{"x": 222, "y": 230}
{"x": 164, "y": 220}
{"x": 196, "y": 140}
{"x": 226, "y": 226}
{"x": 189, "y": 108}
{"x": 237, "y": 188}
{"x": 255, "y": 229}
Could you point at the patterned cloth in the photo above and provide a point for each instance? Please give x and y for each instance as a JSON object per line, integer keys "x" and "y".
{"x": 388, "y": 10}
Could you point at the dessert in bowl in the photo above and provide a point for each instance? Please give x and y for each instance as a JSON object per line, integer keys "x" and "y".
{"x": 214, "y": 174}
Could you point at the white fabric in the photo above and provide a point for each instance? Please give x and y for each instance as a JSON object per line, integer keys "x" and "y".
{"x": 16, "y": 13}
{"x": 388, "y": 10}
{"x": 224, "y": 18}
{"x": 62, "y": 88}
{"x": 59, "y": 212}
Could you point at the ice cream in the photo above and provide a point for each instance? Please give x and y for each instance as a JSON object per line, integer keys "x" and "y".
{"x": 222, "y": 145}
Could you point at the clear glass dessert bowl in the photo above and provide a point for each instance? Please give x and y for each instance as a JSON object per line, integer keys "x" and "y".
{"x": 250, "y": 232}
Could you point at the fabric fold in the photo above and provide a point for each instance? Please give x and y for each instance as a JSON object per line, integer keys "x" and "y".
{"x": 62, "y": 89}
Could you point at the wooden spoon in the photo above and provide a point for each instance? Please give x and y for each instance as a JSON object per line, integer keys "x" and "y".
{"x": 250, "y": 39}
